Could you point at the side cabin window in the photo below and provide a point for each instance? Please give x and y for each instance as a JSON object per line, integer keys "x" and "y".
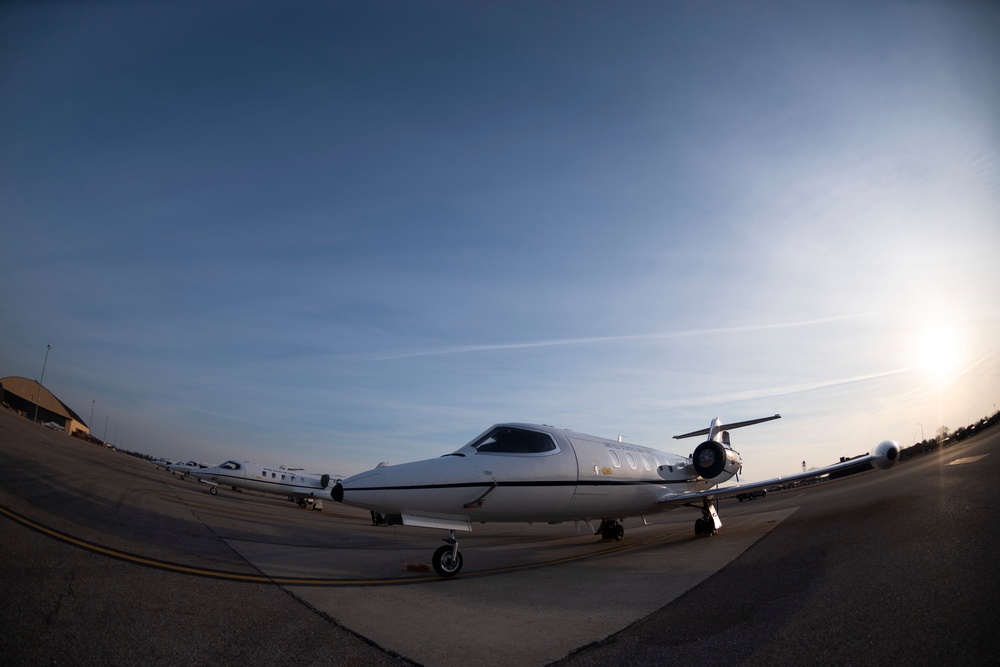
{"x": 631, "y": 460}
{"x": 615, "y": 461}
{"x": 507, "y": 440}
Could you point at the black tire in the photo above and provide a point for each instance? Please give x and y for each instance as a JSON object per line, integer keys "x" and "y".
{"x": 443, "y": 563}
{"x": 619, "y": 533}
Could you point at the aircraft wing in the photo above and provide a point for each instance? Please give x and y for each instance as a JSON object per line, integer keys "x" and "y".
{"x": 884, "y": 457}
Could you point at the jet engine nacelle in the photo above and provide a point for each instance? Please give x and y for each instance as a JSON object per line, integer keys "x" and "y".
{"x": 712, "y": 458}
{"x": 886, "y": 455}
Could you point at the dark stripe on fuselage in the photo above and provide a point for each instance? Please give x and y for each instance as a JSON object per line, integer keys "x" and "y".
{"x": 483, "y": 485}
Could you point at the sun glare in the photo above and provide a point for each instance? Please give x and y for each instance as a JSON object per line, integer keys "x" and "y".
{"x": 940, "y": 352}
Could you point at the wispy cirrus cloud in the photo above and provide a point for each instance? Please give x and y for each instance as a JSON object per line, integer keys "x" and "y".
{"x": 770, "y": 392}
{"x": 587, "y": 340}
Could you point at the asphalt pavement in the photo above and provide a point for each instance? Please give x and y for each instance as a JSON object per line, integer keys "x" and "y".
{"x": 108, "y": 560}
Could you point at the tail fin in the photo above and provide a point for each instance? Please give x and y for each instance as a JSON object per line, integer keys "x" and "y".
{"x": 715, "y": 456}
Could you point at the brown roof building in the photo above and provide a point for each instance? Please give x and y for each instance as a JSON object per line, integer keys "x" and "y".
{"x": 21, "y": 394}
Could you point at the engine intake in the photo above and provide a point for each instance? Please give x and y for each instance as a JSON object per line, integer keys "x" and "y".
{"x": 711, "y": 459}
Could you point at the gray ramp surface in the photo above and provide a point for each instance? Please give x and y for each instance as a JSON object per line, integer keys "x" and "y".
{"x": 536, "y": 616}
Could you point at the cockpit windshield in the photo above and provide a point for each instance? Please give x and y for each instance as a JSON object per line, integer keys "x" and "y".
{"x": 507, "y": 440}
{"x": 230, "y": 465}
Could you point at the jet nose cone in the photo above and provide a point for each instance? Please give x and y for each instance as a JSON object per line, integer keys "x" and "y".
{"x": 338, "y": 492}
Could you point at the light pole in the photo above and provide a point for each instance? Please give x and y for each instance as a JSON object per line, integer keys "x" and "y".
{"x": 92, "y": 404}
{"x": 38, "y": 396}
{"x": 921, "y": 431}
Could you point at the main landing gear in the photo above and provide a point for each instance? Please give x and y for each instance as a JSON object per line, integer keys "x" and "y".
{"x": 610, "y": 529}
{"x": 709, "y": 523}
{"x": 448, "y": 559}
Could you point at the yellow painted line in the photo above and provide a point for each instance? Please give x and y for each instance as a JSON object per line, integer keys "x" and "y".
{"x": 196, "y": 571}
{"x": 292, "y": 581}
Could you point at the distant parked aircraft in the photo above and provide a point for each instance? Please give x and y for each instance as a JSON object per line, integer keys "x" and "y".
{"x": 184, "y": 468}
{"x": 281, "y": 481}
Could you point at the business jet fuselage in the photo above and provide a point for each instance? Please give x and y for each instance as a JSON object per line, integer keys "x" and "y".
{"x": 257, "y": 477}
{"x": 532, "y": 473}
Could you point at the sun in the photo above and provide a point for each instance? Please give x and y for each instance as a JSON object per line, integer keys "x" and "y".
{"x": 940, "y": 352}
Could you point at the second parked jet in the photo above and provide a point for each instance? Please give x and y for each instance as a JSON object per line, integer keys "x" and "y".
{"x": 256, "y": 477}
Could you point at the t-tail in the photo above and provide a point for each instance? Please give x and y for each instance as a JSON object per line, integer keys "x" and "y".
{"x": 715, "y": 457}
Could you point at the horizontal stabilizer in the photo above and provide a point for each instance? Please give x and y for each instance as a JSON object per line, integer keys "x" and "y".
{"x": 727, "y": 427}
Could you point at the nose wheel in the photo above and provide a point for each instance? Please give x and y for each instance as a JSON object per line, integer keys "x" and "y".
{"x": 448, "y": 559}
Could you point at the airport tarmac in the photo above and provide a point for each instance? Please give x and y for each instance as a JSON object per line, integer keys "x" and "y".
{"x": 107, "y": 559}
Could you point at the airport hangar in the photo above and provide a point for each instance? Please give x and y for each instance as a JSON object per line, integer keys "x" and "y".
{"x": 22, "y": 395}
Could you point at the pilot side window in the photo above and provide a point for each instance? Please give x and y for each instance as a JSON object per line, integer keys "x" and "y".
{"x": 506, "y": 440}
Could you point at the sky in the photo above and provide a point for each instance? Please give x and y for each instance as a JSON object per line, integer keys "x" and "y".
{"x": 329, "y": 234}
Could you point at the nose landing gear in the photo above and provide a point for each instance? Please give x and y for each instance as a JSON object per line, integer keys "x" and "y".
{"x": 448, "y": 559}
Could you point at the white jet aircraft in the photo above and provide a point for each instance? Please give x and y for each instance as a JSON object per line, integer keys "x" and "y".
{"x": 161, "y": 463}
{"x": 256, "y": 477}
{"x": 184, "y": 468}
{"x": 531, "y": 473}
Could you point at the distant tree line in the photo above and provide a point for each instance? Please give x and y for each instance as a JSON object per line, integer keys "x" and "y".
{"x": 86, "y": 437}
{"x": 944, "y": 437}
